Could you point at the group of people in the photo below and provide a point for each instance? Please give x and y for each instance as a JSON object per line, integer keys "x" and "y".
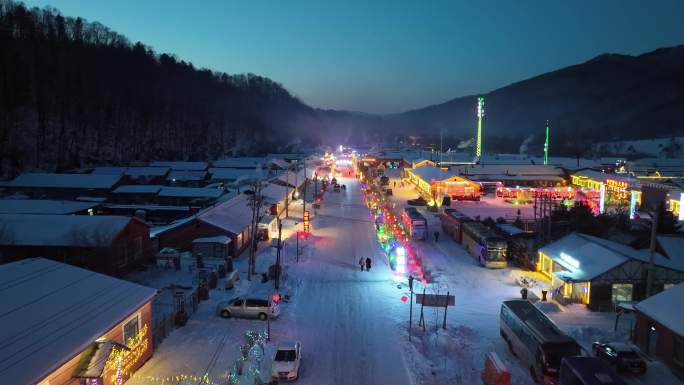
{"x": 365, "y": 262}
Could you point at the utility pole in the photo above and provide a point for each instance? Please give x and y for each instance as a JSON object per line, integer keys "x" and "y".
{"x": 651, "y": 260}
{"x": 276, "y": 281}
{"x": 304, "y": 196}
{"x": 255, "y": 203}
{"x": 287, "y": 189}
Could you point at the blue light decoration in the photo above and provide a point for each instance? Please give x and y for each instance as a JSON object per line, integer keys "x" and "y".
{"x": 633, "y": 204}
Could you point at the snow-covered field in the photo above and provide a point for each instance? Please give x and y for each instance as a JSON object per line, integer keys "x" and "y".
{"x": 352, "y": 324}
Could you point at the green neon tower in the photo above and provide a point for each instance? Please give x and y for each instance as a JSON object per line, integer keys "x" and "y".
{"x": 480, "y": 115}
{"x": 546, "y": 145}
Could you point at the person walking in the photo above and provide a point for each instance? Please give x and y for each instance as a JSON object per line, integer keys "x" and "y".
{"x": 361, "y": 263}
{"x": 368, "y": 264}
{"x": 436, "y": 236}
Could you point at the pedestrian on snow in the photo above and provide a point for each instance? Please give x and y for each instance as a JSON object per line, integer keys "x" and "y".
{"x": 368, "y": 264}
{"x": 361, "y": 263}
{"x": 436, "y": 236}
{"x": 395, "y": 184}
{"x": 523, "y": 293}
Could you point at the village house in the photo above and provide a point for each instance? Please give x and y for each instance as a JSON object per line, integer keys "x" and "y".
{"x": 63, "y": 186}
{"x": 46, "y": 206}
{"x": 602, "y": 273}
{"x": 136, "y": 175}
{"x": 107, "y": 244}
{"x": 659, "y": 329}
{"x": 231, "y": 218}
{"x": 63, "y": 325}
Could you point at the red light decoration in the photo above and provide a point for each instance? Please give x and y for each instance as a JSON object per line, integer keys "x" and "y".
{"x": 404, "y": 298}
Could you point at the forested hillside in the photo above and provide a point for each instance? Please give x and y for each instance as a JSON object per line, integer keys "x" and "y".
{"x": 75, "y": 92}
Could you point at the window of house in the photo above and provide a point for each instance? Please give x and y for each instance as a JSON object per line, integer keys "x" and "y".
{"x": 622, "y": 292}
{"x": 131, "y": 328}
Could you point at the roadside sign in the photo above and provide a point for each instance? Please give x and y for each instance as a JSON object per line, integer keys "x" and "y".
{"x": 435, "y": 300}
{"x": 306, "y": 221}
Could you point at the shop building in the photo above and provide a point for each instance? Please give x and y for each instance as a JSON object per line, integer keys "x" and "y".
{"x": 64, "y": 325}
{"x": 602, "y": 273}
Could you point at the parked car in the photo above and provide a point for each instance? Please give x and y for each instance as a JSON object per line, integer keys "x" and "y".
{"x": 420, "y": 201}
{"x": 286, "y": 362}
{"x": 336, "y": 188}
{"x": 248, "y": 308}
{"x": 624, "y": 356}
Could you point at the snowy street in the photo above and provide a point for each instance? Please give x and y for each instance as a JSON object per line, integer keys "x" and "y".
{"x": 352, "y": 324}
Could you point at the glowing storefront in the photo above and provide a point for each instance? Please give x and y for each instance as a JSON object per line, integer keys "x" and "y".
{"x": 435, "y": 183}
{"x": 601, "y": 273}
{"x": 65, "y": 325}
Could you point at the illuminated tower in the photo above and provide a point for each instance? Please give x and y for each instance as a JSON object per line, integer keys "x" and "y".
{"x": 480, "y": 115}
{"x": 546, "y": 144}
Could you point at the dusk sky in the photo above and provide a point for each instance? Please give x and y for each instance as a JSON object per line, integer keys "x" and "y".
{"x": 388, "y": 56}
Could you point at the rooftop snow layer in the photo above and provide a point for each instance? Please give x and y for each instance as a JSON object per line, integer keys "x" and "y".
{"x": 508, "y": 169}
{"x": 233, "y": 215}
{"x": 75, "y": 181}
{"x": 138, "y": 189}
{"x": 240, "y": 162}
{"x": 53, "y": 311}
{"x": 41, "y": 206}
{"x": 274, "y": 193}
{"x": 217, "y": 239}
{"x": 188, "y": 166}
{"x": 666, "y": 307}
{"x": 235, "y": 174}
{"x": 190, "y": 192}
{"x": 183, "y": 175}
{"x": 429, "y": 173}
{"x": 61, "y": 230}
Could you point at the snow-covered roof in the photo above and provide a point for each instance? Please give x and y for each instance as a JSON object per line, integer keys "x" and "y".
{"x": 274, "y": 193}
{"x": 158, "y": 230}
{"x": 673, "y": 246}
{"x": 138, "y": 189}
{"x": 217, "y": 239}
{"x": 666, "y": 307}
{"x": 493, "y": 177}
{"x": 429, "y": 173}
{"x": 75, "y": 181}
{"x": 184, "y": 175}
{"x": 240, "y": 162}
{"x": 280, "y": 163}
{"x": 508, "y": 169}
{"x": 233, "y": 215}
{"x": 148, "y": 207}
{"x": 53, "y": 311}
{"x": 61, "y": 230}
{"x": 292, "y": 178}
{"x": 91, "y": 199}
{"x": 43, "y": 206}
{"x": 234, "y": 174}
{"x": 134, "y": 172}
{"x": 188, "y": 166}
{"x": 108, "y": 170}
{"x": 190, "y": 192}
{"x": 584, "y": 257}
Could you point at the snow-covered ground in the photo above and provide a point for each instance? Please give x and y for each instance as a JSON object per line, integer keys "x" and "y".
{"x": 352, "y": 324}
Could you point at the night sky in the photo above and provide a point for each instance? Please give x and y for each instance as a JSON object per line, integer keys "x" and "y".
{"x": 388, "y": 56}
